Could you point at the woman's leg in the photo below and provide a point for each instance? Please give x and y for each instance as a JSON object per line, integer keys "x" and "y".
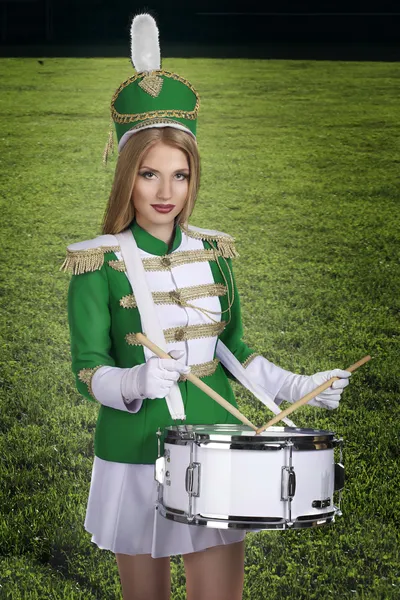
{"x": 143, "y": 577}
{"x": 216, "y": 573}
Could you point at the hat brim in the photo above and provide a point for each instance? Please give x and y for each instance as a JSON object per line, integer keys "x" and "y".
{"x": 134, "y": 130}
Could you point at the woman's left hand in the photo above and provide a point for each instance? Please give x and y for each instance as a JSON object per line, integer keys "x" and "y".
{"x": 330, "y": 397}
{"x": 297, "y": 386}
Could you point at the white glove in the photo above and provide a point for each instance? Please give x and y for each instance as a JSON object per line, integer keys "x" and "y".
{"x": 297, "y": 386}
{"x": 153, "y": 379}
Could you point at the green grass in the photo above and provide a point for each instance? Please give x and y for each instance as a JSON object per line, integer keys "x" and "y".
{"x": 300, "y": 163}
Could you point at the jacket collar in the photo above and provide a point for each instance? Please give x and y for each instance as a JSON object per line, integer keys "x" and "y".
{"x": 151, "y": 244}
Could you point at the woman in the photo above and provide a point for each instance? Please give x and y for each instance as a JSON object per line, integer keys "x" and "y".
{"x": 189, "y": 274}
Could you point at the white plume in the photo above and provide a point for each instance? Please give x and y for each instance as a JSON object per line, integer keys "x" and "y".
{"x": 145, "y": 48}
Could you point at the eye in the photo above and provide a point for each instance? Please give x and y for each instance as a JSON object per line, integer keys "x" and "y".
{"x": 147, "y": 174}
{"x": 181, "y": 176}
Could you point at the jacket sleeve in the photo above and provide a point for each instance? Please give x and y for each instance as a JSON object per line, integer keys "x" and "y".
{"x": 89, "y": 322}
{"x": 97, "y": 377}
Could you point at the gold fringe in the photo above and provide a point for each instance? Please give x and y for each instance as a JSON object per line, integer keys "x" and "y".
{"x": 225, "y": 243}
{"x": 84, "y": 261}
{"x": 227, "y": 249}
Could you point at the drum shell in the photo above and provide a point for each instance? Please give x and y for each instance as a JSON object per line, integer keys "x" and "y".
{"x": 224, "y": 476}
{"x": 242, "y": 482}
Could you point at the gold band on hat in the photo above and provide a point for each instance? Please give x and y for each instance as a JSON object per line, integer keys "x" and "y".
{"x": 131, "y": 118}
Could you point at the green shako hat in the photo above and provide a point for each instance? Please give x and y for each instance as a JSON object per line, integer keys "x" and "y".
{"x": 153, "y": 97}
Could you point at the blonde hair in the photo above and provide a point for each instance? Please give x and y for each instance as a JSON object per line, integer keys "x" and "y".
{"x": 120, "y": 211}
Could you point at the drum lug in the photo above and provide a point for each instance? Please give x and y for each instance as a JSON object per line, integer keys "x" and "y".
{"x": 159, "y": 470}
{"x": 158, "y": 434}
{"x": 289, "y": 524}
{"x": 186, "y": 432}
{"x": 321, "y": 503}
{"x": 288, "y": 485}
{"x": 339, "y": 477}
{"x": 193, "y": 479}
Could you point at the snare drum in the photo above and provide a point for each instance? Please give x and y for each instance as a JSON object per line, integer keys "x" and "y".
{"x": 225, "y": 476}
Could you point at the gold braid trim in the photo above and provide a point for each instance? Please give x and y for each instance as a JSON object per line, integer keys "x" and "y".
{"x": 92, "y": 259}
{"x": 204, "y": 291}
{"x": 131, "y": 118}
{"x": 225, "y": 243}
{"x": 177, "y": 259}
{"x": 249, "y": 359}
{"x": 117, "y": 265}
{"x": 180, "y": 334}
{"x": 203, "y": 369}
{"x": 86, "y": 376}
{"x": 192, "y": 332}
{"x": 128, "y": 301}
{"x": 180, "y": 296}
{"x": 83, "y": 261}
{"x": 152, "y": 122}
{"x": 165, "y": 263}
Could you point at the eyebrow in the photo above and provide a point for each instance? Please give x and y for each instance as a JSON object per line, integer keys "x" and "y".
{"x": 155, "y": 170}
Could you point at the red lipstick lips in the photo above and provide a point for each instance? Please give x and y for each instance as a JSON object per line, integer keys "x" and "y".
{"x": 163, "y": 208}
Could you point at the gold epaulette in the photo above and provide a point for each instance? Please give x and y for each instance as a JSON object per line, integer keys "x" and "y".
{"x": 84, "y": 261}
{"x": 225, "y": 243}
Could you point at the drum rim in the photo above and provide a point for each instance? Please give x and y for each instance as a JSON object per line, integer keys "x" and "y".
{"x": 229, "y": 522}
{"x": 181, "y": 435}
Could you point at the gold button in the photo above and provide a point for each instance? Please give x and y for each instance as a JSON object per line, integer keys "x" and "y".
{"x": 179, "y": 335}
{"x": 166, "y": 261}
{"x": 175, "y": 296}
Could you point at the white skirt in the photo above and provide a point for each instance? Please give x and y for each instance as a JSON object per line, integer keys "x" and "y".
{"x": 121, "y": 515}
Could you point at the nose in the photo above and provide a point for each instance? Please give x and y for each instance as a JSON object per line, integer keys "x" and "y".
{"x": 164, "y": 191}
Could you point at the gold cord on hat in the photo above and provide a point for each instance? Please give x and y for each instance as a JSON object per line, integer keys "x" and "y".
{"x": 109, "y": 147}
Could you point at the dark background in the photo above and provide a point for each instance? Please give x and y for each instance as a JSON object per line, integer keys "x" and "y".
{"x": 211, "y": 27}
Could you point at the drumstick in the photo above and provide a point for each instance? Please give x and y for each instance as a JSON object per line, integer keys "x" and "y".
{"x": 310, "y": 396}
{"x": 197, "y": 382}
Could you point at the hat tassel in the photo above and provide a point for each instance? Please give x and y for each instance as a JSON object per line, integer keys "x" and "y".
{"x": 109, "y": 147}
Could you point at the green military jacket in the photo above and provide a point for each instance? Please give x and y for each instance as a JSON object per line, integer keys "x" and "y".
{"x": 188, "y": 283}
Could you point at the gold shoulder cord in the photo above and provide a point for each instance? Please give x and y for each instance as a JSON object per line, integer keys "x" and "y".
{"x": 207, "y": 312}
{"x": 230, "y": 301}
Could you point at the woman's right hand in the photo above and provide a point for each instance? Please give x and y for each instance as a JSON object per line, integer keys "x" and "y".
{"x": 156, "y": 377}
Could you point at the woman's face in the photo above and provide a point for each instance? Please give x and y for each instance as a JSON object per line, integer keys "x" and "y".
{"x": 161, "y": 186}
